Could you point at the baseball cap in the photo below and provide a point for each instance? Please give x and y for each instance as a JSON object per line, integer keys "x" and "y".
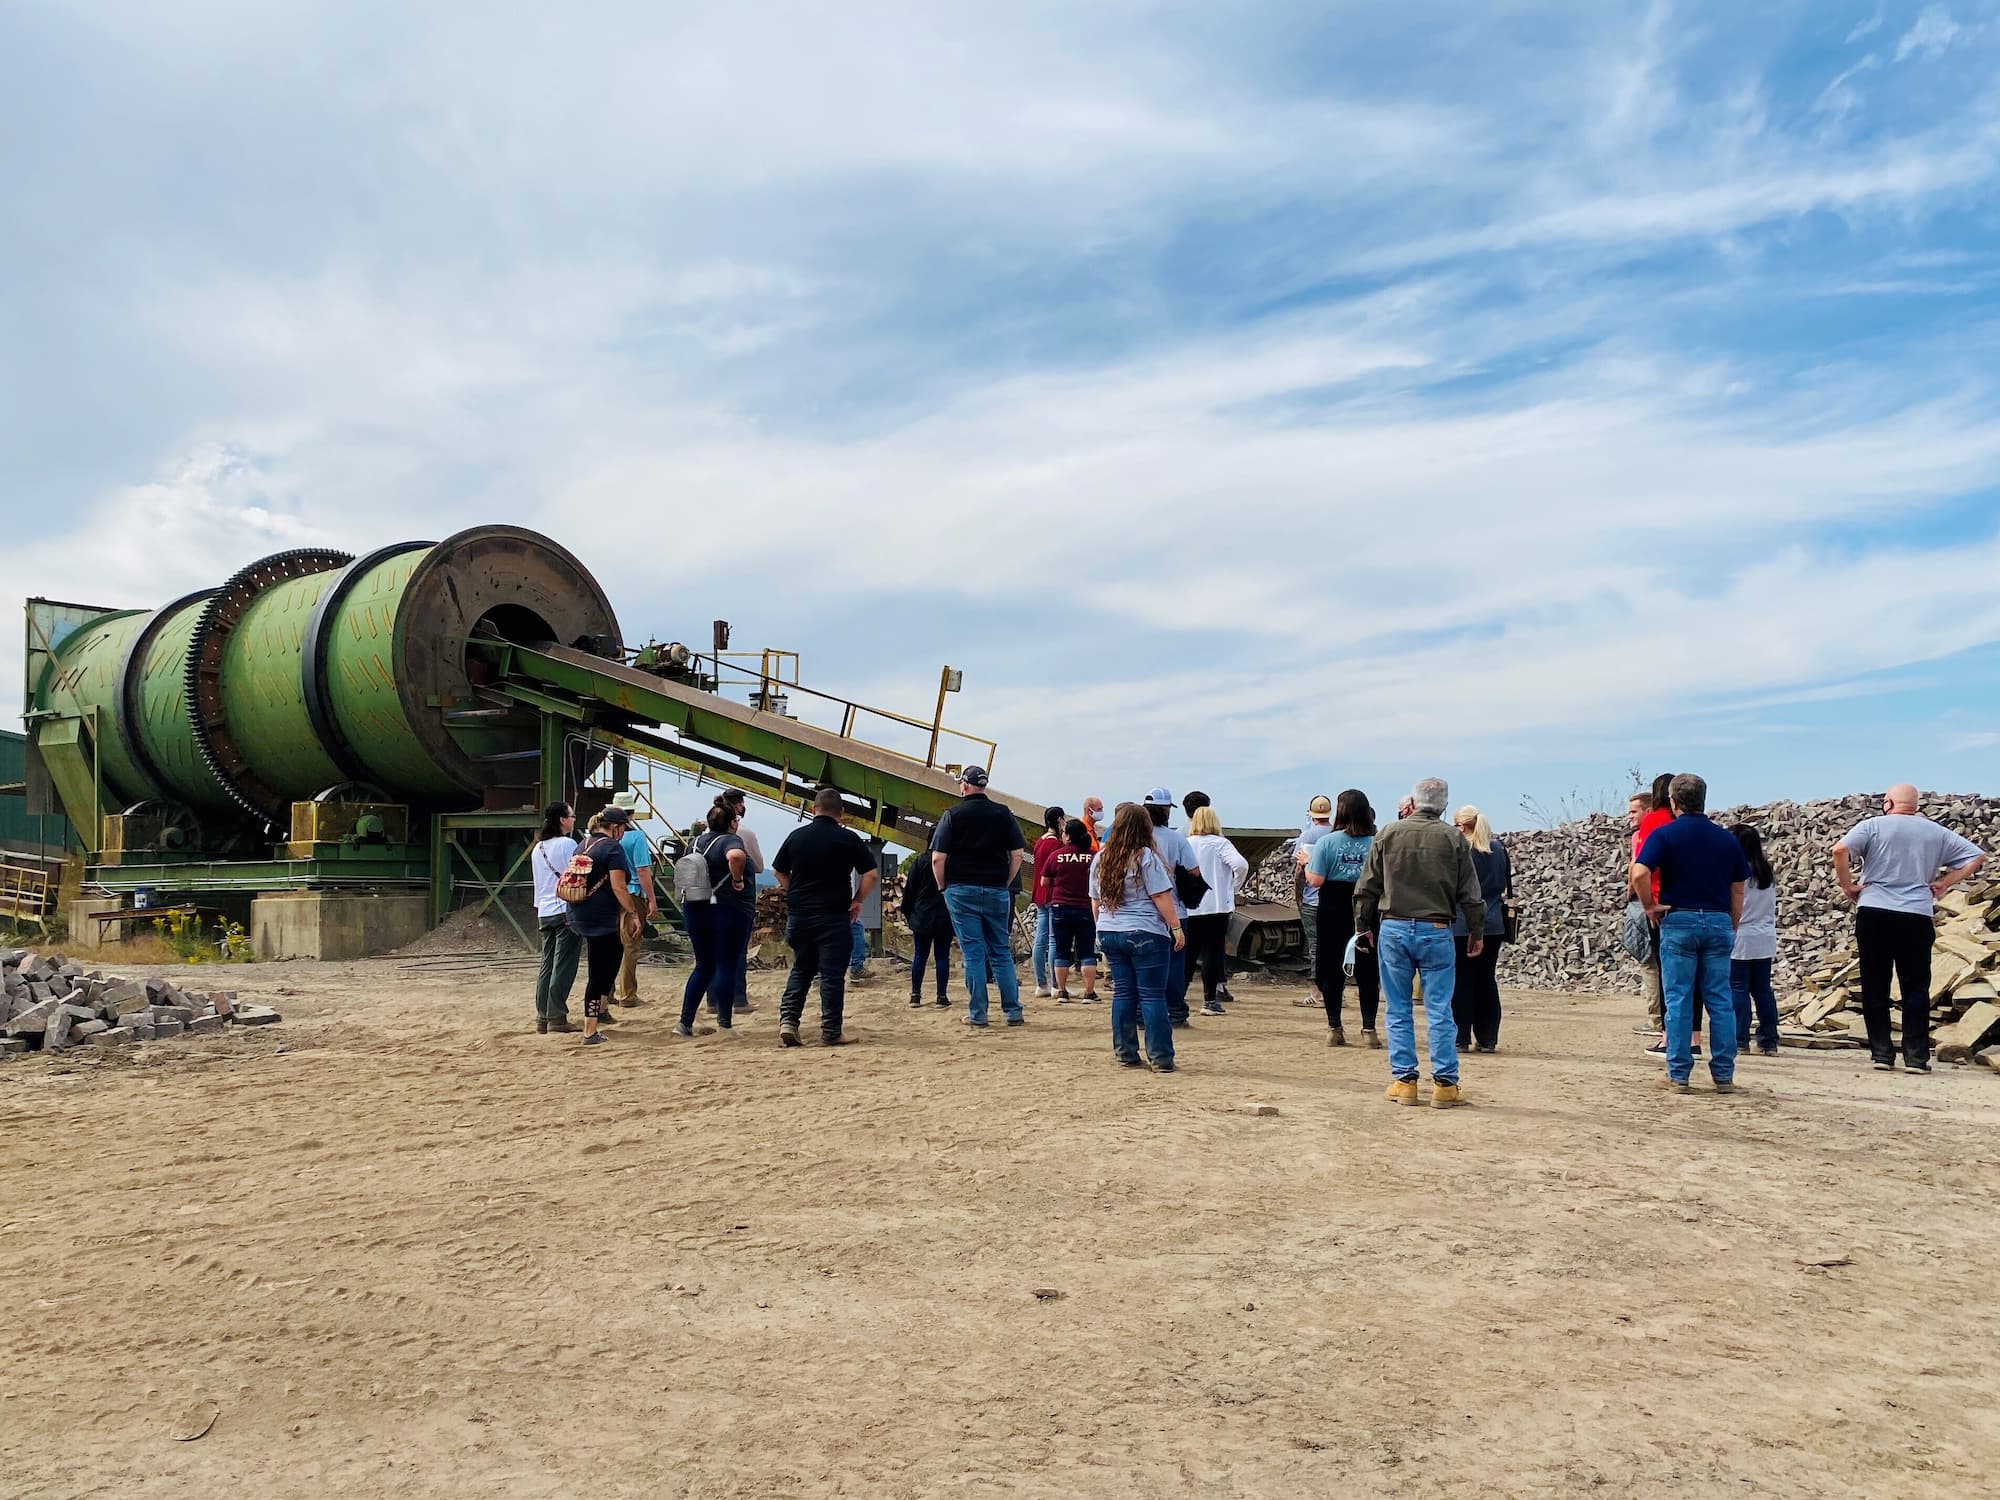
{"x": 1319, "y": 807}
{"x": 1159, "y": 796}
{"x": 616, "y": 814}
{"x": 973, "y": 776}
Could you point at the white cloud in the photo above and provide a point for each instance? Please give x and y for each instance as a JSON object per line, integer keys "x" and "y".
{"x": 1934, "y": 34}
{"x": 1865, "y": 28}
{"x": 1958, "y": 744}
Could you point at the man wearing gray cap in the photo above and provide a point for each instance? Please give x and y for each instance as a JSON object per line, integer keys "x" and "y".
{"x": 1419, "y": 876}
{"x": 975, "y": 854}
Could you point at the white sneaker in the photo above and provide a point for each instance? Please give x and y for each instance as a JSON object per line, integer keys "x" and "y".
{"x": 1042, "y": 992}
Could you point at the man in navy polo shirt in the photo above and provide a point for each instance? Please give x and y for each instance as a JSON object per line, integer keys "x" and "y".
{"x": 1702, "y": 870}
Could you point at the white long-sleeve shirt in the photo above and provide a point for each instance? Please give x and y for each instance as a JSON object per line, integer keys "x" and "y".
{"x": 1223, "y": 868}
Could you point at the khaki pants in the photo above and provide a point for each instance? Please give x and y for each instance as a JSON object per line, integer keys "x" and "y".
{"x": 1656, "y": 1002}
{"x": 628, "y": 971}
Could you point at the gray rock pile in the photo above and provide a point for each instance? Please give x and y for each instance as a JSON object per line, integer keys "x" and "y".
{"x": 49, "y": 1003}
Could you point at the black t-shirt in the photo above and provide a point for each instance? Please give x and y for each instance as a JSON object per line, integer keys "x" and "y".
{"x": 820, "y": 861}
{"x": 975, "y": 839}
{"x": 715, "y": 848}
{"x": 599, "y": 913}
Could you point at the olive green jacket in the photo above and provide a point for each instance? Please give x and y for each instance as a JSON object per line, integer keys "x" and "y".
{"x": 1419, "y": 867}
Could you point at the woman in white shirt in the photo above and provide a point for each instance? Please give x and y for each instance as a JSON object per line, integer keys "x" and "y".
{"x": 1756, "y": 948}
{"x": 561, "y": 947}
{"x": 1208, "y": 924}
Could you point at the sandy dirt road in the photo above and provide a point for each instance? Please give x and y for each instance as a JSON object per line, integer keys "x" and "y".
{"x": 425, "y": 1252}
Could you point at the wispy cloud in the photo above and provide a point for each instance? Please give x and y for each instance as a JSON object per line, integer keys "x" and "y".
{"x": 1933, "y": 34}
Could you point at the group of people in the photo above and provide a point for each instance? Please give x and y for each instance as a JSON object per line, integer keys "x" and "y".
{"x": 1414, "y": 909}
{"x": 1707, "y": 897}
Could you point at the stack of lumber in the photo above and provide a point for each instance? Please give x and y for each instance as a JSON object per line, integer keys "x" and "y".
{"x": 1965, "y": 987}
{"x": 49, "y": 1003}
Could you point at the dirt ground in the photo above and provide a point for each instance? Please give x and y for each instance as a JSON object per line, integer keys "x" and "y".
{"x": 407, "y": 1247}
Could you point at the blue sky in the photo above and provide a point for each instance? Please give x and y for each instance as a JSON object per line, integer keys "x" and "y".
{"x": 1270, "y": 398}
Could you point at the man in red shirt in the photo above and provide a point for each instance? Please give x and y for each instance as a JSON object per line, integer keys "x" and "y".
{"x": 1645, "y": 812}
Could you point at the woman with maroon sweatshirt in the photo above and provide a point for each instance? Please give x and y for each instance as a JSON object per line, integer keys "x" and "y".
{"x": 1064, "y": 882}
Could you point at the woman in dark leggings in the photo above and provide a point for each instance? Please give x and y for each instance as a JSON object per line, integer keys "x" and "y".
{"x": 1332, "y": 869}
{"x": 599, "y": 918}
{"x": 1475, "y": 994}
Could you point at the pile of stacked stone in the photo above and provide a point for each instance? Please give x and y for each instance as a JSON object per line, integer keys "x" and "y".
{"x": 1965, "y": 986}
{"x": 50, "y": 1003}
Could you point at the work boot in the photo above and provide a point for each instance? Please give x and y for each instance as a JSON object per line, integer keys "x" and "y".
{"x": 1402, "y": 1091}
{"x": 1674, "y": 1086}
{"x": 1445, "y": 1096}
{"x": 1725, "y": 1086}
{"x": 1370, "y": 1040}
{"x": 541, "y": 1026}
{"x": 564, "y": 1025}
{"x": 1335, "y": 1037}
{"x": 788, "y": 1033}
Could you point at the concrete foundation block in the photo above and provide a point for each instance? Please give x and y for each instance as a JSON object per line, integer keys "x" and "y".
{"x": 335, "y": 925}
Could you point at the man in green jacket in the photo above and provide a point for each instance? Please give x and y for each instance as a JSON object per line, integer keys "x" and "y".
{"x": 1418, "y": 878}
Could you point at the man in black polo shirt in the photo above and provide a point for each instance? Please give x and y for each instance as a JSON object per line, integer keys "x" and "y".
{"x": 1702, "y": 870}
{"x": 975, "y": 855}
{"x": 816, "y": 867}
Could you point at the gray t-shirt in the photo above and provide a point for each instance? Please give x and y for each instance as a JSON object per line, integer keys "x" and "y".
{"x": 1900, "y": 855}
{"x": 1309, "y": 835}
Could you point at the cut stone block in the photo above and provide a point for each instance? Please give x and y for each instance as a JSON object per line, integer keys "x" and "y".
{"x": 206, "y": 1026}
{"x": 256, "y": 1015}
{"x": 1958, "y": 1041}
{"x": 35, "y": 1018}
{"x": 166, "y": 1030}
{"x": 56, "y": 1036}
{"x": 83, "y": 1031}
{"x": 114, "y": 1036}
{"x": 12, "y": 1046}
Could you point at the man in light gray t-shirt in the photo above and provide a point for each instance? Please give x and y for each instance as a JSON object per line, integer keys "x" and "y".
{"x": 1896, "y": 895}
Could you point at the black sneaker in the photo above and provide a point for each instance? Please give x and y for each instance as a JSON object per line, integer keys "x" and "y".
{"x": 1162, "y": 1067}
{"x": 942, "y": 1003}
{"x": 1916, "y": 1065}
{"x": 916, "y": 1002}
{"x": 595, "y": 1038}
{"x": 1885, "y": 1064}
{"x": 1017, "y": 1020}
{"x": 1131, "y": 1062}
{"x": 832, "y": 1039}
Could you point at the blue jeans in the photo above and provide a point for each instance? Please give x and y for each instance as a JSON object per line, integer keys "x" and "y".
{"x": 700, "y": 919}
{"x": 1406, "y": 950}
{"x": 981, "y": 916}
{"x": 1177, "y": 980}
{"x": 1139, "y": 964}
{"x": 1694, "y": 960}
{"x": 732, "y": 922}
{"x": 1750, "y": 981}
{"x": 857, "y": 953}
{"x": 1044, "y": 944}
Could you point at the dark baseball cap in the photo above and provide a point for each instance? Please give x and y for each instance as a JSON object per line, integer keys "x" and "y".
{"x": 973, "y": 776}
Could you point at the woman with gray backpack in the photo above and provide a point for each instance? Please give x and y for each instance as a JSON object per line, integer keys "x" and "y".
{"x": 719, "y": 899}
